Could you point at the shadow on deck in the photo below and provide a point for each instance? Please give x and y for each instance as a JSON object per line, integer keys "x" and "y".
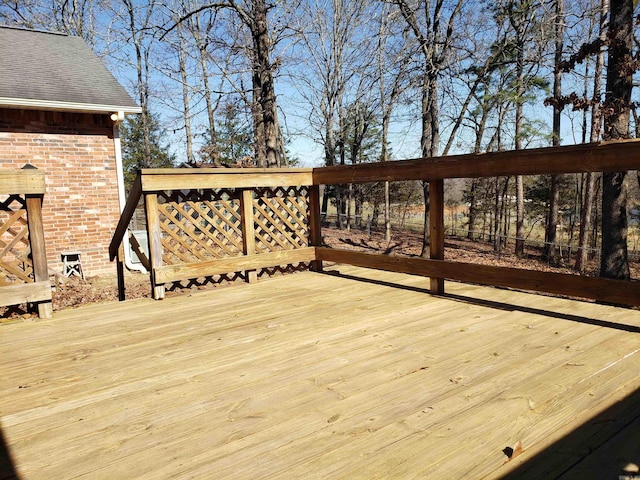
{"x": 7, "y": 468}
{"x": 606, "y": 446}
{"x": 501, "y": 306}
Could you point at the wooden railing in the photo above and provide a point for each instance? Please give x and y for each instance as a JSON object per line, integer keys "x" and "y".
{"x": 241, "y": 191}
{"x": 207, "y": 222}
{"x": 24, "y": 276}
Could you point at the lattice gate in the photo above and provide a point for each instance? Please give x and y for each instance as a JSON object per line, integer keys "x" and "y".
{"x": 206, "y": 225}
{"x": 199, "y": 225}
{"x": 281, "y": 217}
{"x": 16, "y": 265}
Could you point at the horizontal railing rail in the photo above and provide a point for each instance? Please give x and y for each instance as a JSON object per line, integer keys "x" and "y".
{"x": 256, "y": 229}
{"x": 601, "y": 289}
{"x": 591, "y": 157}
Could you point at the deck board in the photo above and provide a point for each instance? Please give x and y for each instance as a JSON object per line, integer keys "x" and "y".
{"x": 361, "y": 374}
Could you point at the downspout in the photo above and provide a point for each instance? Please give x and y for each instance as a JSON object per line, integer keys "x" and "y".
{"x": 117, "y": 120}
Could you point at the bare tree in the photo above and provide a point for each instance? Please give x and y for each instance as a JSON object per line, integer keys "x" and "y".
{"x": 334, "y": 50}
{"x": 393, "y": 75}
{"x": 434, "y": 33}
{"x": 253, "y": 15}
{"x": 186, "y": 97}
{"x": 614, "y": 261}
{"x": 133, "y": 24}
{"x": 554, "y": 195}
{"x": 596, "y": 122}
{"x": 201, "y": 35}
{"x": 74, "y": 17}
{"x": 520, "y": 16}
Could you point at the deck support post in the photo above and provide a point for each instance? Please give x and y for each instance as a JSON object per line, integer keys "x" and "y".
{"x": 120, "y": 271}
{"x": 436, "y": 229}
{"x": 248, "y": 230}
{"x": 38, "y": 249}
{"x": 315, "y": 224}
{"x": 155, "y": 242}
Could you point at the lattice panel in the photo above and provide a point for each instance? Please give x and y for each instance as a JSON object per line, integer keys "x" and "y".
{"x": 199, "y": 225}
{"x": 281, "y": 218}
{"x": 15, "y": 253}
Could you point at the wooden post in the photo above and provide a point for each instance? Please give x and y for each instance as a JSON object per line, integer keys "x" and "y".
{"x": 38, "y": 249}
{"x": 155, "y": 243}
{"x": 248, "y": 230}
{"x": 436, "y": 229}
{"x": 120, "y": 269}
{"x": 315, "y": 224}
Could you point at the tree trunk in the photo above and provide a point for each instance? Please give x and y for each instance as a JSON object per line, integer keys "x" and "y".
{"x": 325, "y": 204}
{"x": 429, "y": 143}
{"x": 201, "y": 44}
{"x": 142, "y": 70}
{"x": 554, "y": 200}
{"x": 259, "y": 142}
{"x": 282, "y": 158}
{"x": 263, "y": 81}
{"x": 550, "y": 252}
{"x": 519, "y": 250}
{"x": 480, "y": 129}
{"x": 387, "y": 102}
{"x": 435, "y": 42}
{"x": 586, "y": 212}
{"x": 496, "y": 216}
{"x": 472, "y": 209}
{"x": 384, "y": 156}
{"x": 614, "y": 261}
{"x": 182, "y": 63}
{"x": 519, "y": 215}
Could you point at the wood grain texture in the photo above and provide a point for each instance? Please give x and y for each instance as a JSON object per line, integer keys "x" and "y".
{"x": 125, "y": 217}
{"x": 600, "y": 157}
{"x": 356, "y": 374}
{"x": 176, "y": 179}
{"x": 21, "y": 182}
{"x": 436, "y": 229}
{"x": 248, "y": 230}
{"x": 38, "y": 249}
{"x": 315, "y": 223}
{"x": 187, "y": 172}
{"x": 155, "y": 242}
{"x": 174, "y": 273}
{"x": 31, "y": 292}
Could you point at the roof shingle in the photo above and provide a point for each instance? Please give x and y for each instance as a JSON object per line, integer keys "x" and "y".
{"x": 51, "y": 71}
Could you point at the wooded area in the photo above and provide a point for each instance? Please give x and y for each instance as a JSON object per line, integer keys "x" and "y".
{"x": 258, "y": 83}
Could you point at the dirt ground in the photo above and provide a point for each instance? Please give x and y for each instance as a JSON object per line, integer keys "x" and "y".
{"x": 73, "y": 292}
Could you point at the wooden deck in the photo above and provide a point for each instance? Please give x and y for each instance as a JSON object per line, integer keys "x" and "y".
{"x": 356, "y": 375}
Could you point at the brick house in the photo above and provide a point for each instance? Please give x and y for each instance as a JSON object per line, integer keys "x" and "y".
{"x": 59, "y": 111}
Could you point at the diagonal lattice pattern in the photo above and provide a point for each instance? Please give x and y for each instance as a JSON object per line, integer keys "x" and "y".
{"x": 199, "y": 225}
{"x": 15, "y": 253}
{"x": 281, "y": 219}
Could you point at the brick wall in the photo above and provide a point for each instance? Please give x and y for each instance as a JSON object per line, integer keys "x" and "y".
{"x": 76, "y": 151}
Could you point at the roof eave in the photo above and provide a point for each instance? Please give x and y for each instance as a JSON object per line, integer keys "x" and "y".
{"x": 33, "y": 104}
